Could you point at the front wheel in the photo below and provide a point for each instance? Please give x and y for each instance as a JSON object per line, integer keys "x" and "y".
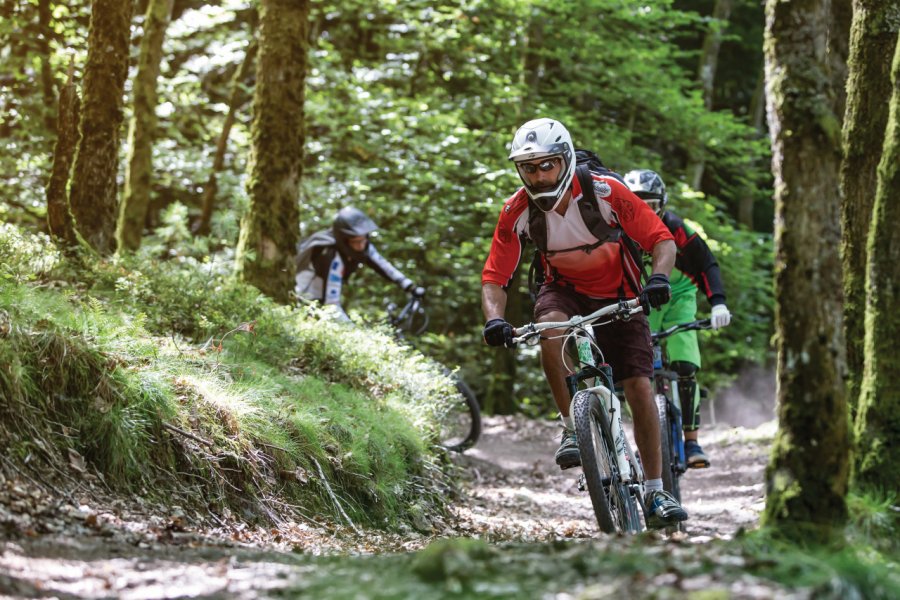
{"x": 671, "y": 471}
{"x": 461, "y": 425}
{"x": 615, "y": 505}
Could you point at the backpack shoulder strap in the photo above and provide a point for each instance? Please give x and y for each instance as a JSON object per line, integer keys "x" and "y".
{"x": 597, "y": 225}
{"x": 590, "y": 210}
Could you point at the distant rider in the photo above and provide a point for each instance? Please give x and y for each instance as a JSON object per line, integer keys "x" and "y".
{"x": 695, "y": 268}
{"x": 327, "y": 259}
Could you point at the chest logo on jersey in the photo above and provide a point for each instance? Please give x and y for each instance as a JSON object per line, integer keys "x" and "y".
{"x": 602, "y": 189}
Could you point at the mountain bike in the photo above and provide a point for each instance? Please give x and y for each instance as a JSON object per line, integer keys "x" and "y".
{"x": 668, "y": 403}
{"x": 461, "y": 424}
{"x": 613, "y": 475}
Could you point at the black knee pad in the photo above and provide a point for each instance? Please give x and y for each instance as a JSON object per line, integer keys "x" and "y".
{"x": 684, "y": 369}
{"x": 687, "y": 386}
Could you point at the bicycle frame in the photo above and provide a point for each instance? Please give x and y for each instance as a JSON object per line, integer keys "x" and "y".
{"x": 577, "y": 329}
{"x": 666, "y": 385}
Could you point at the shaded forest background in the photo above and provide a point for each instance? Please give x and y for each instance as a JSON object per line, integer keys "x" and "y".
{"x": 409, "y": 108}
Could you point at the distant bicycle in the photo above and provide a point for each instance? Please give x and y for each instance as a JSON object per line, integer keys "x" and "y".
{"x": 668, "y": 403}
{"x": 461, "y": 425}
{"x": 613, "y": 475}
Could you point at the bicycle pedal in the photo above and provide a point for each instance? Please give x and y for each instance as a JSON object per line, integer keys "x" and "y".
{"x": 580, "y": 484}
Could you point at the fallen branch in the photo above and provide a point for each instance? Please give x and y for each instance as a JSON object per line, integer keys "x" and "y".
{"x": 188, "y": 434}
{"x": 334, "y": 498}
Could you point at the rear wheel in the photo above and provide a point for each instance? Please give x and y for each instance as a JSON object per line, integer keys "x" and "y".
{"x": 670, "y": 460}
{"x": 461, "y": 425}
{"x": 614, "y": 503}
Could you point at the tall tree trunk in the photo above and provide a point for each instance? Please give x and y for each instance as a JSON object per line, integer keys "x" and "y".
{"x": 44, "y": 18}
{"x": 59, "y": 219}
{"x": 706, "y": 74}
{"x": 270, "y": 229}
{"x": 142, "y": 129}
{"x": 757, "y": 112}
{"x": 878, "y": 425}
{"x": 807, "y": 473}
{"x": 500, "y": 397}
{"x": 873, "y": 38}
{"x": 235, "y": 100}
{"x": 93, "y": 198}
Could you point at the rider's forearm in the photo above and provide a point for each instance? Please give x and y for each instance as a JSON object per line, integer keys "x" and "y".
{"x": 664, "y": 257}
{"x": 493, "y": 301}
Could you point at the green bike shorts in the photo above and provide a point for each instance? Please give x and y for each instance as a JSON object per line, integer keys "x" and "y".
{"x": 682, "y": 308}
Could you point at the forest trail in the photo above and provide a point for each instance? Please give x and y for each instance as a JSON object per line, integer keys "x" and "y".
{"x": 516, "y": 491}
{"x": 512, "y": 492}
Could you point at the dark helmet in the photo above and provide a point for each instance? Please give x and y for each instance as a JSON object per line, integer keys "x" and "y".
{"x": 649, "y": 187}
{"x": 351, "y": 222}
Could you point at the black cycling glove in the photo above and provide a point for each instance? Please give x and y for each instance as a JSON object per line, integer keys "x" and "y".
{"x": 657, "y": 291}
{"x": 497, "y": 332}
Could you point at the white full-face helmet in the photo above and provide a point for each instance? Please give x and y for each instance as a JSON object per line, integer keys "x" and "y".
{"x": 545, "y": 138}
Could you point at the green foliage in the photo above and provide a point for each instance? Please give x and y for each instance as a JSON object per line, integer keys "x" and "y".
{"x": 120, "y": 359}
{"x": 875, "y": 520}
{"x": 409, "y": 109}
{"x": 826, "y": 572}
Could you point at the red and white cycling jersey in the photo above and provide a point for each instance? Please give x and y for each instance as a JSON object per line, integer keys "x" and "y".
{"x": 597, "y": 272}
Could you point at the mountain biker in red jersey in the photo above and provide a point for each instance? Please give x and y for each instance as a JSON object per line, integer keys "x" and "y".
{"x": 326, "y": 260}
{"x": 581, "y": 274}
{"x": 695, "y": 268}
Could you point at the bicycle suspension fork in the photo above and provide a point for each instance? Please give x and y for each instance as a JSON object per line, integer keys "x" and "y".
{"x": 603, "y": 387}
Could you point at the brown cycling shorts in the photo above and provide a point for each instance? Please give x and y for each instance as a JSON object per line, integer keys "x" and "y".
{"x": 626, "y": 345}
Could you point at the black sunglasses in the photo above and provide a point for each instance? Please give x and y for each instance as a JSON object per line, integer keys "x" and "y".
{"x": 544, "y": 165}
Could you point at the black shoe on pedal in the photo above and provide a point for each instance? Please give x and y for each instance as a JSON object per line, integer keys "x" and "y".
{"x": 567, "y": 456}
{"x": 663, "y": 510}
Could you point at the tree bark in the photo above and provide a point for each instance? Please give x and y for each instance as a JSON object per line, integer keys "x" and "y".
{"x": 47, "y": 84}
{"x": 235, "y": 100}
{"x": 270, "y": 229}
{"x": 757, "y": 112}
{"x": 706, "y": 75}
{"x": 878, "y": 424}
{"x": 808, "y": 470}
{"x": 59, "y": 219}
{"x": 93, "y": 197}
{"x": 873, "y": 38}
{"x": 500, "y": 396}
{"x": 142, "y": 129}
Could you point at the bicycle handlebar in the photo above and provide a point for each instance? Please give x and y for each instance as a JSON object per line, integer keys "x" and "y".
{"x": 621, "y": 310}
{"x": 692, "y": 326}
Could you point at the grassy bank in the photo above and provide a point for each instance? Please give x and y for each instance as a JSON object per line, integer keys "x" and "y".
{"x": 174, "y": 379}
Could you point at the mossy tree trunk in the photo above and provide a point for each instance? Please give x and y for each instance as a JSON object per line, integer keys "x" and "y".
{"x": 236, "y": 98}
{"x": 93, "y": 198}
{"x": 59, "y": 219}
{"x": 873, "y": 37}
{"x": 47, "y": 83}
{"x": 500, "y": 396}
{"x": 270, "y": 229}
{"x": 706, "y": 74}
{"x": 878, "y": 423}
{"x": 808, "y": 470}
{"x": 142, "y": 128}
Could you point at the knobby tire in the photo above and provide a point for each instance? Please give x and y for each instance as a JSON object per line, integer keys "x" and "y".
{"x": 669, "y": 452}
{"x": 462, "y": 423}
{"x": 614, "y": 505}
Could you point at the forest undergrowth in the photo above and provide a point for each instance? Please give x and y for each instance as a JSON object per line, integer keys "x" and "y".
{"x": 171, "y": 381}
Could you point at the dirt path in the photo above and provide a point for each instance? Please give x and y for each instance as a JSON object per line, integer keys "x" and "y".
{"x": 82, "y": 549}
{"x": 517, "y": 492}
